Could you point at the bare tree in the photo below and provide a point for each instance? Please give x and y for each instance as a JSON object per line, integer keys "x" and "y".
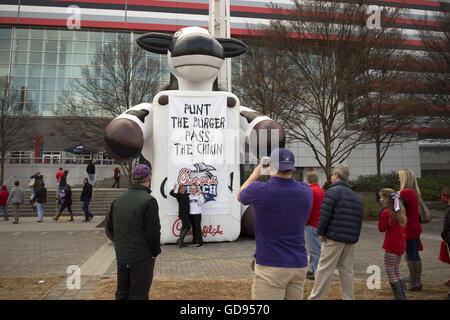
{"x": 328, "y": 46}
{"x": 434, "y": 64}
{"x": 14, "y": 125}
{"x": 121, "y": 75}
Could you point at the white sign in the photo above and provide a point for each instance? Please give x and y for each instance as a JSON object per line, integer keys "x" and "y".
{"x": 197, "y": 150}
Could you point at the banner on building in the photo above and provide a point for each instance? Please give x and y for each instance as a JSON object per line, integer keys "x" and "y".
{"x": 197, "y": 150}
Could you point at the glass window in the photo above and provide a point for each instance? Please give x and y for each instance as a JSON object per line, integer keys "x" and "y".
{"x": 5, "y": 44}
{"x": 36, "y": 44}
{"x": 34, "y": 70}
{"x": 50, "y": 45}
{"x": 94, "y": 47}
{"x": 21, "y": 33}
{"x": 19, "y": 70}
{"x": 48, "y": 96}
{"x": 64, "y": 72}
{"x": 32, "y": 96}
{"x": 79, "y": 46}
{"x": 95, "y": 36}
{"x": 51, "y": 34}
{"x": 21, "y": 44}
{"x": 17, "y": 82}
{"x": 49, "y": 71}
{"x": 34, "y": 83}
{"x": 20, "y": 57}
{"x": 76, "y": 72}
{"x": 36, "y": 57}
{"x": 32, "y": 108}
{"x": 5, "y": 32}
{"x": 4, "y": 70}
{"x": 36, "y": 33}
{"x": 50, "y": 58}
{"x": 65, "y": 46}
{"x": 47, "y": 110}
{"x": 4, "y": 57}
{"x": 65, "y": 58}
{"x": 79, "y": 58}
{"x": 66, "y": 34}
{"x": 80, "y": 35}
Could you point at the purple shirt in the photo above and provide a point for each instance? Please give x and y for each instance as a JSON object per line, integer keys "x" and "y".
{"x": 281, "y": 209}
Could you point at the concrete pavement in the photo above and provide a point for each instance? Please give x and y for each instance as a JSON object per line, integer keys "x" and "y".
{"x": 48, "y": 248}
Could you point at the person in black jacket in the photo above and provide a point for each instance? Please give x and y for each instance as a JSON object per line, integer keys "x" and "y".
{"x": 183, "y": 211}
{"x": 91, "y": 171}
{"x": 66, "y": 202}
{"x": 339, "y": 228}
{"x": 134, "y": 227}
{"x": 86, "y": 196}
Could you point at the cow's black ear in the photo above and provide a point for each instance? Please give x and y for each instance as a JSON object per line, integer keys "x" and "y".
{"x": 232, "y": 47}
{"x": 155, "y": 42}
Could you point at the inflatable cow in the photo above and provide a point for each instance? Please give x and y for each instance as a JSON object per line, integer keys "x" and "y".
{"x": 194, "y": 133}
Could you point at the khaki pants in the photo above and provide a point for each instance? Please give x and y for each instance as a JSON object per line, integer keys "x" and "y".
{"x": 334, "y": 255}
{"x": 16, "y": 212}
{"x": 272, "y": 283}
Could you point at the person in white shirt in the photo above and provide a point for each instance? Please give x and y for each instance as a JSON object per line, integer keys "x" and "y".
{"x": 196, "y": 202}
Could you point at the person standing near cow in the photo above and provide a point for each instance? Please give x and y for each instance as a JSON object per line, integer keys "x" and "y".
{"x": 312, "y": 238}
{"x": 134, "y": 226}
{"x": 281, "y": 206}
{"x": 339, "y": 228}
{"x": 183, "y": 211}
{"x": 196, "y": 202}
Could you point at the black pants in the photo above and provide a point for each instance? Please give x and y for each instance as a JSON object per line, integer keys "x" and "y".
{"x": 134, "y": 280}
{"x": 185, "y": 221}
{"x": 118, "y": 182}
{"x": 196, "y": 222}
{"x": 68, "y": 206}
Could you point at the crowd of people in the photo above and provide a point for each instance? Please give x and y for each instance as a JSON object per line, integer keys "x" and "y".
{"x": 301, "y": 231}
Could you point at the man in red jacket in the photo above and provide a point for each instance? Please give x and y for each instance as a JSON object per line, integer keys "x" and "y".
{"x": 4, "y": 195}
{"x": 311, "y": 237}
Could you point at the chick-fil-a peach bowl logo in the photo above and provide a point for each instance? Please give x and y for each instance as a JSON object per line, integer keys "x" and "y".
{"x": 206, "y": 230}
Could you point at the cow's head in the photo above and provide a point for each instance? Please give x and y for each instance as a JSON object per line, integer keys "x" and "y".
{"x": 194, "y": 56}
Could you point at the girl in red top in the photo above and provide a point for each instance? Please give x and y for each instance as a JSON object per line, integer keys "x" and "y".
{"x": 393, "y": 222}
{"x": 410, "y": 193}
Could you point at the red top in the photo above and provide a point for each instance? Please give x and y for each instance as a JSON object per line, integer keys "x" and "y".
{"x": 395, "y": 239}
{"x": 314, "y": 214}
{"x": 59, "y": 174}
{"x": 413, "y": 228}
{"x": 116, "y": 173}
{"x": 4, "y": 195}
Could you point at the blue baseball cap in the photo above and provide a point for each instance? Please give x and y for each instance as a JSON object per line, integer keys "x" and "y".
{"x": 283, "y": 159}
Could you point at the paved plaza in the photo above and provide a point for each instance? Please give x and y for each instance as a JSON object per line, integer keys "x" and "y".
{"x": 49, "y": 248}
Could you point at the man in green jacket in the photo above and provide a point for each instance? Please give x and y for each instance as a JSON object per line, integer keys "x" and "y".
{"x": 134, "y": 226}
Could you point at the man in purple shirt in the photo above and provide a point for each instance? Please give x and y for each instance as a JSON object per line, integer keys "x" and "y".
{"x": 281, "y": 208}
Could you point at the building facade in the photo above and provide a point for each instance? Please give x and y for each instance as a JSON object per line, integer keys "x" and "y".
{"x": 44, "y": 46}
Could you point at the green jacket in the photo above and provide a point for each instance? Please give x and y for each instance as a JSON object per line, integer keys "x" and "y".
{"x": 134, "y": 225}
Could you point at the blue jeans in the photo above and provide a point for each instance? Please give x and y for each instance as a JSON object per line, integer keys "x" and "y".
{"x": 314, "y": 246}
{"x": 5, "y": 212}
{"x": 412, "y": 250}
{"x": 91, "y": 178}
{"x": 87, "y": 213}
{"x": 40, "y": 210}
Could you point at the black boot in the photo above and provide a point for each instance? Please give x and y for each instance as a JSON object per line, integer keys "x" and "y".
{"x": 397, "y": 290}
{"x": 403, "y": 287}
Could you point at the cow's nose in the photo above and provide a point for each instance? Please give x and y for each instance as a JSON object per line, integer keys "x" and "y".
{"x": 196, "y": 44}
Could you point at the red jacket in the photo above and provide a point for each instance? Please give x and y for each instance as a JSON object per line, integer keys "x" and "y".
{"x": 4, "y": 195}
{"x": 59, "y": 174}
{"x": 314, "y": 214}
{"x": 395, "y": 238}
{"x": 116, "y": 173}
{"x": 413, "y": 228}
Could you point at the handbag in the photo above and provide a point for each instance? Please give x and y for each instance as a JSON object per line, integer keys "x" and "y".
{"x": 424, "y": 212}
